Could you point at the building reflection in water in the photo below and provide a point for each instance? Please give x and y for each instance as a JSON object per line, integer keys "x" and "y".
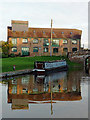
{"x": 43, "y": 89}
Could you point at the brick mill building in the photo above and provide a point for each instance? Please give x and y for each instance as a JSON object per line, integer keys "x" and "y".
{"x": 37, "y": 41}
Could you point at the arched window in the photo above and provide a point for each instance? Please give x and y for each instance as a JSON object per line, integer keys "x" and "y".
{"x": 65, "y": 49}
{"x": 74, "y": 49}
{"x": 14, "y": 49}
{"x": 35, "y": 41}
{"x": 55, "y": 50}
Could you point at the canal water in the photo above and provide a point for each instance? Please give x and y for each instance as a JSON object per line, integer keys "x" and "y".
{"x": 58, "y": 95}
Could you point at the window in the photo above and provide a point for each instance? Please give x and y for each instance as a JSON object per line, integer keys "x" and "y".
{"x": 35, "y": 49}
{"x": 65, "y": 41}
{"x": 74, "y": 49}
{"x": 62, "y": 32}
{"x": 34, "y": 31}
{"x": 25, "y": 80}
{"x": 25, "y": 48}
{"x": 14, "y": 40}
{"x": 14, "y": 89}
{"x": 35, "y": 41}
{"x": 55, "y": 42}
{"x": 45, "y": 49}
{"x": 25, "y": 90}
{"x": 65, "y": 49}
{"x": 55, "y": 50}
{"x": 25, "y": 51}
{"x": 74, "y": 41}
{"x": 24, "y": 40}
{"x": 14, "y": 81}
{"x": 46, "y": 42}
{"x": 14, "y": 49}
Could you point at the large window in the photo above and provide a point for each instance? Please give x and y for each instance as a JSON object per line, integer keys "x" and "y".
{"x": 55, "y": 42}
{"x": 65, "y": 41}
{"x": 45, "y": 49}
{"x": 46, "y": 42}
{"x": 74, "y": 41}
{"x": 14, "y": 40}
{"x": 35, "y": 49}
{"x": 55, "y": 50}
{"x": 25, "y": 40}
{"x": 35, "y": 41}
{"x": 25, "y": 51}
{"x": 14, "y": 49}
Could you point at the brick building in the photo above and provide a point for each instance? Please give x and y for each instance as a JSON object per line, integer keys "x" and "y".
{"x": 37, "y": 41}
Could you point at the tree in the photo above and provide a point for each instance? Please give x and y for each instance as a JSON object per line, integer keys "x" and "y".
{"x": 5, "y": 47}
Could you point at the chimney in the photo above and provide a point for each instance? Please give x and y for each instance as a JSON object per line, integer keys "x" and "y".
{"x": 19, "y": 25}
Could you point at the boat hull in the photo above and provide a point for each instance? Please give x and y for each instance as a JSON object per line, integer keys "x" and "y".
{"x": 48, "y": 71}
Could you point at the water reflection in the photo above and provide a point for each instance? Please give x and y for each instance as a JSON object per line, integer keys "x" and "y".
{"x": 43, "y": 89}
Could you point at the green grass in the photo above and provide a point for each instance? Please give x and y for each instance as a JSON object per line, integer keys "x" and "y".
{"x": 28, "y": 62}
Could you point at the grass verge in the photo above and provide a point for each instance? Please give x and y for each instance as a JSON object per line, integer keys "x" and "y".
{"x": 28, "y": 62}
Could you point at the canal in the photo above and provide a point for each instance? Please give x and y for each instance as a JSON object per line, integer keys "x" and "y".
{"x": 58, "y": 95}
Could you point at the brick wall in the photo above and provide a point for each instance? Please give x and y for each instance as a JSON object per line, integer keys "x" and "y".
{"x": 40, "y": 52}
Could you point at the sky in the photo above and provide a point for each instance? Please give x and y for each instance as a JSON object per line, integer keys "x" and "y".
{"x": 71, "y": 14}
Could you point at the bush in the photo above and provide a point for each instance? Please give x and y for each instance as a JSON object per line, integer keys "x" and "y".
{"x": 12, "y": 55}
{"x": 4, "y": 55}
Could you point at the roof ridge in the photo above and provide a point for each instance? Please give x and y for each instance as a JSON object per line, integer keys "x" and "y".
{"x": 55, "y": 28}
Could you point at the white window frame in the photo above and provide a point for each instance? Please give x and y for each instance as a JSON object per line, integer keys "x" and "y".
{"x": 74, "y": 41}
{"x": 14, "y": 40}
{"x": 35, "y": 41}
{"x": 25, "y": 40}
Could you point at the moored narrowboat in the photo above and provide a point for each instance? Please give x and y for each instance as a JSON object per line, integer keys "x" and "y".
{"x": 41, "y": 67}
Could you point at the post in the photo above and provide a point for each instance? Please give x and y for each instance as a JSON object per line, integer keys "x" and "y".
{"x": 51, "y": 39}
{"x": 51, "y": 104}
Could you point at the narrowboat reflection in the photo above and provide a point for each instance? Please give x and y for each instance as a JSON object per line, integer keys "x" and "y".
{"x": 43, "y": 89}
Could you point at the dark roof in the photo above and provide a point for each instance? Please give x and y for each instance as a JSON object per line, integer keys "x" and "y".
{"x": 46, "y": 33}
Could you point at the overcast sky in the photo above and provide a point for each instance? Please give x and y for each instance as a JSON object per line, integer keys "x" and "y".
{"x": 70, "y": 14}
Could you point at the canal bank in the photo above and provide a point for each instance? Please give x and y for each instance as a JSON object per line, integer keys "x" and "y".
{"x": 22, "y": 63}
{"x": 15, "y": 73}
{"x": 30, "y": 71}
{"x": 25, "y": 65}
